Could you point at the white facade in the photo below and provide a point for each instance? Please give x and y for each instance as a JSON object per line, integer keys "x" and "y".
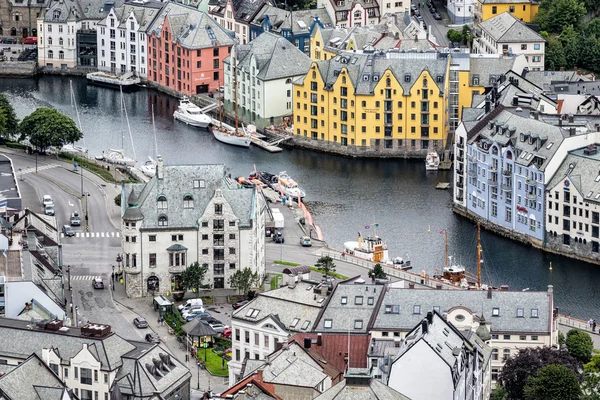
{"x": 461, "y": 11}
{"x": 226, "y": 18}
{"x": 57, "y": 44}
{"x": 348, "y": 13}
{"x": 122, "y": 42}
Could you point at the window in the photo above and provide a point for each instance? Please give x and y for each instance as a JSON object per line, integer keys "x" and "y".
{"x": 218, "y": 224}
{"x": 152, "y": 260}
{"x": 76, "y": 370}
{"x": 294, "y": 322}
{"x": 266, "y": 341}
{"x": 86, "y": 376}
{"x": 232, "y": 250}
{"x": 522, "y": 337}
{"x": 495, "y": 312}
{"x": 520, "y": 312}
{"x": 218, "y": 209}
{"x": 328, "y": 323}
{"x": 358, "y": 300}
{"x": 534, "y": 337}
{"x": 162, "y": 220}
{"x": 536, "y": 46}
{"x": 495, "y": 337}
{"x": 344, "y": 300}
{"x": 506, "y": 354}
{"x": 416, "y": 309}
{"x": 152, "y": 238}
{"x": 247, "y": 336}
{"x": 54, "y": 368}
{"x": 534, "y": 313}
{"x": 188, "y": 201}
{"x": 199, "y": 183}
{"x": 162, "y": 202}
{"x": 523, "y": 46}
{"x": 106, "y": 378}
{"x": 231, "y": 223}
{"x": 358, "y": 324}
{"x": 495, "y": 354}
{"x": 66, "y": 372}
{"x": 370, "y": 301}
{"x": 494, "y": 10}
{"x": 506, "y": 337}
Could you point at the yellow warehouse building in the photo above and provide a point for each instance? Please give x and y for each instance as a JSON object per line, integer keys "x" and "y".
{"x": 524, "y": 10}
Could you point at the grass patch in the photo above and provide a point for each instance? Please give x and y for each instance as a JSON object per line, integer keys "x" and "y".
{"x": 274, "y": 281}
{"x": 331, "y": 274}
{"x": 15, "y": 145}
{"x": 289, "y": 263}
{"x": 214, "y": 363}
{"x": 90, "y": 166}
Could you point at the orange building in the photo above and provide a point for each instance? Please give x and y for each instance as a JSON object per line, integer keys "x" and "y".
{"x": 186, "y": 48}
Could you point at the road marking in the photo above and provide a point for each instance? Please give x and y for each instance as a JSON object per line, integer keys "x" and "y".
{"x": 71, "y": 204}
{"x": 86, "y": 277}
{"x": 39, "y": 168}
{"x": 93, "y": 235}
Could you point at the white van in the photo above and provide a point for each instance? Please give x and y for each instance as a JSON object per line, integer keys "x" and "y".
{"x": 47, "y": 200}
{"x": 191, "y": 303}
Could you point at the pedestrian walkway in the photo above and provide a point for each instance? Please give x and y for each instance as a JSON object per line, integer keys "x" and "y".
{"x": 87, "y": 277}
{"x": 97, "y": 235}
{"x": 37, "y": 169}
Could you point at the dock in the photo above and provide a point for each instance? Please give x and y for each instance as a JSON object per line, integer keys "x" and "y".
{"x": 442, "y": 186}
{"x": 272, "y": 146}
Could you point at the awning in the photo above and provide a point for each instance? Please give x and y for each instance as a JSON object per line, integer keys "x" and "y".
{"x": 177, "y": 247}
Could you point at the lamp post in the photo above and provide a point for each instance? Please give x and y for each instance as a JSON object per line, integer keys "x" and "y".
{"x": 76, "y": 316}
{"x": 69, "y": 275}
{"x": 87, "y": 226}
{"x": 198, "y": 364}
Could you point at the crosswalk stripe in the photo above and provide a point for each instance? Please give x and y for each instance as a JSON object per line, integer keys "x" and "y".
{"x": 86, "y": 277}
{"x": 39, "y": 168}
{"x": 95, "y": 235}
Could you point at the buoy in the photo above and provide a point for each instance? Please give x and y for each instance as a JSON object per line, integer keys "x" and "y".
{"x": 550, "y": 265}
{"x": 428, "y": 228}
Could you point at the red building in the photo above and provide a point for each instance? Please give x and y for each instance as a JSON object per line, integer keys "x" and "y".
{"x": 186, "y": 48}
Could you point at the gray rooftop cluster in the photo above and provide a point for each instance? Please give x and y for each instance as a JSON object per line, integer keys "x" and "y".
{"x": 505, "y": 28}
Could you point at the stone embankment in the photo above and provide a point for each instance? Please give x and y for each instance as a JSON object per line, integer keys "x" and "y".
{"x": 15, "y": 69}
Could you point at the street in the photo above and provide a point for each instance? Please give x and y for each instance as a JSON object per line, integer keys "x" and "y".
{"x": 439, "y": 29}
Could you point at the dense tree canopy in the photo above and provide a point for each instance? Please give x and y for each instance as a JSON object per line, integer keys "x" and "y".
{"x": 590, "y": 388}
{"x": 553, "y": 382}
{"x": 47, "y": 127}
{"x": 9, "y": 124}
{"x": 580, "y": 345}
{"x": 526, "y": 364}
{"x": 554, "y": 15}
{"x": 243, "y": 280}
{"x": 193, "y": 277}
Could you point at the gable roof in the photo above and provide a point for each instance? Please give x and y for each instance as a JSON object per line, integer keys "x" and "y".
{"x": 374, "y": 391}
{"x": 274, "y": 55}
{"x": 333, "y": 347}
{"x": 582, "y": 170}
{"x": 244, "y": 11}
{"x": 144, "y": 14}
{"x": 505, "y": 28}
{"x": 302, "y": 19}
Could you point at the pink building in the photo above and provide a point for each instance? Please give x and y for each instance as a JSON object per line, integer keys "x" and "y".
{"x": 186, "y": 48}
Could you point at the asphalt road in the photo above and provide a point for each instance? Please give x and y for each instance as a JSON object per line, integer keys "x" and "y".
{"x": 438, "y": 28}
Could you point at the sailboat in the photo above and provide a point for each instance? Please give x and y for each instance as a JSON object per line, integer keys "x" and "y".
{"x": 117, "y": 156}
{"x": 72, "y": 148}
{"x": 149, "y": 167}
{"x": 225, "y": 133}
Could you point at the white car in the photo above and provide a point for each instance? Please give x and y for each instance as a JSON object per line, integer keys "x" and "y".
{"x": 47, "y": 200}
{"x": 192, "y": 312}
{"x": 219, "y": 328}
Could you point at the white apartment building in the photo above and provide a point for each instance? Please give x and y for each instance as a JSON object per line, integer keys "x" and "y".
{"x": 122, "y": 40}
{"x": 348, "y": 13}
{"x": 573, "y": 205}
{"x": 266, "y": 68}
{"x": 505, "y": 34}
{"x": 236, "y": 15}
{"x": 435, "y": 349}
{"x": 270, "y": 319}
{"x": 57, "y": 28}
{"x": 187, "y": 214}
{"x": 94, "y": 362}
{"x": 461, "y": 11}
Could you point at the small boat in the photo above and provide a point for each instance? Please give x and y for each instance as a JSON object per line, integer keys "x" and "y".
{"x": 191, "y": 114}
{"x": 149, "y": 167}
{"x": 127, "y": 82}
{"x": 227, "y": 134}
{"x": 369, "y": 248}
{"x": 432, "y": 161}
{"x": 289, "y": 187}
{"x": 74, "y": 150}
{"x": 116, "y": 157}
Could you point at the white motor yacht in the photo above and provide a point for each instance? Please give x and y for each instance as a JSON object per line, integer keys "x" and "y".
{"x": 191, "y": 114}
{"x": 432, "y": 161}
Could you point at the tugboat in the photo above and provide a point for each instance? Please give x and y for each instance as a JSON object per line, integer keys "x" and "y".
{"x": 370, "y": 248}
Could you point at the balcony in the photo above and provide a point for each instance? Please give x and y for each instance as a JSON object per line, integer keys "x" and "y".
{"x": 460, "y": 145}
{"x": 493, "y": 169}
{"x": 492, "y": 182}
{"x": 531, "y": 196}
{"x": 531, "y": 182}
{"x": 176, "y": 269}
{"x": 132, "y": 270}
{"x": 472, "y": 172}
{"x": 507, "y": 172}
{"x": 507, "y": 188}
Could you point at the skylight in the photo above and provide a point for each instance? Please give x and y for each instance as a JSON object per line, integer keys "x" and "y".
{"x": 589, "y": 194}
{"x": 305, "y": 325}
{"x": 295, "y": 322}
{"x": 549, "y": 145}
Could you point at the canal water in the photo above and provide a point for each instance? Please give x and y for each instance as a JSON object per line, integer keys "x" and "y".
{"x": 345, "y": 195}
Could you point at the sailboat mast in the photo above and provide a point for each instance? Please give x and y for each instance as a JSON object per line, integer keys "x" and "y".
{"x": 235, "y": 93}
{"x": 154, "y": 132}
{"x": 478, "y": 254}
{"x": 446, "y": 249}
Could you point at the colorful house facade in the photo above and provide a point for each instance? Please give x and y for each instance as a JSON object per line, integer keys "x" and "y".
{"x": 524, "y": 10}
{"x": 186, "y": 49}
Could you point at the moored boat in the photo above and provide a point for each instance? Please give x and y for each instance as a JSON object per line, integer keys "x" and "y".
{"x": 117, "y": 157}
{"x": 149, "y": 167}
{"x": 432, "y": 161}
{"x": 289, "y": 187}
{"x": 369, "y": 248}
{"x": 227, "y": 134}
{"x": 191, "y": 114}
{"x": 127, "y": 82}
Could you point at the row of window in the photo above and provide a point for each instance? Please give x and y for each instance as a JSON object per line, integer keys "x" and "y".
{"x": 358, "y": 300}
{"x": 328, "y": 323}
{"x": 509, "y": 337}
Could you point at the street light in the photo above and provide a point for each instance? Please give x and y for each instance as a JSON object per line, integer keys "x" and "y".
{"x": 76, "y": 316}
{"x": 198, "y": 363}
{"x": 86, "y": 194}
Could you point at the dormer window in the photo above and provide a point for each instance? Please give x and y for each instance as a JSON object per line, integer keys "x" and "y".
{"x": 56, "y": 14}
{"x": 163, "y": 220}
{"x": 162, "y": 202}
{"x": 188, "y": 201}
{"x": 407, "y": 78}
{"x": 344, "y": 300}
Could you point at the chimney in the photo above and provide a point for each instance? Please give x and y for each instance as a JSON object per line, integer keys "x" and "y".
{"x": 571, "y": 118}
{"x": 572, "y": 131}
{"x": 259, "y": 375}
{"x": 560, "y": 122}
{"x": 488, "y": 104}
{"x": 160, "y": 168}
{"x": 438, "y": 286}
{"x": 411, "y": 285}
{"x": 424, "y": 326}
{"x": 430, "y": 317}
{"x": 307, "y": 342}
{"x": 489, "y": 296}
{"x": 319, "y": 339}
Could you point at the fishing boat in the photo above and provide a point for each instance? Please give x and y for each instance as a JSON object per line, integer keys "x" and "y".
{"x": 289, "y": 187}
{"x": 226, "y": 133}
{"x": 191, "y": 114}
{"x": 432, "y": 161}
{"x": 369, "y": 248}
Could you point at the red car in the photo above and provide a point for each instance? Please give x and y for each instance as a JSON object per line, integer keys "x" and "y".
{"x": 227, "y": 333}
{"x": 30, "y": 40}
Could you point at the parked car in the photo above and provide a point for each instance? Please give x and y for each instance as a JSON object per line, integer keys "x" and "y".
{"x": 191, "y": 314}
{"x": 9, "y": 40}
{"x": 30, "y": 40}
{"x": 305, "y": 241}
{"x": 203, "y": 314}
{"x": 49, "y": 209}
{"x": 227, "y": 333}
{"x": 432, "y": 10}
{"x": 152, "y": 337}
{"x": 210, "y": 320}
{"x": 68, "y": 231}
{"x": 47, "y": 200}
{"x": 218, "y": 327}
{"x": 75, "y": 219}
{"x": 140, "y": 322}
{"x": 437, "y": 16}
{"x": 278, "y": 237}
{"x": 189, "y": 303}
{"x": 240, "y": 304}
{"x": 97, "y": 283}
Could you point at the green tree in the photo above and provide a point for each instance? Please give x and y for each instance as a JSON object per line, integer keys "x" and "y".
{"x": 593, "y": 28}
{"x": 580, "y": 345}
{"x": 47, "y": 127}
{"x": 554, "y": 15}
{"x": 9, "y": 123}
{"x": 454, "y": 36}
{"x": 467, "y": 35}
{"x": 590, "y": 387}
{"x": 193, "y": 277}
{"x": 555, "y": 55}
{"x": 498, "y": 394}
{"x": 526, "y": 362}
{"x": 553, "y": 382}
{"x": 326, "y": 265}
{"x": 243, "y": 280}
{"x": 377, "y": 272}
{"x": 561, "y": 338}
{"x": 570, "y": 38}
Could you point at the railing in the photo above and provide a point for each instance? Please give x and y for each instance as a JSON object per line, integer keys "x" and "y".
{"x": 577, "y": 323}
{"x": 397, "y": 273}
{"x": 460, "y": 145}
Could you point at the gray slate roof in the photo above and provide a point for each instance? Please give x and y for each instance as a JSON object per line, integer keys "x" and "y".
{"x": 505, "y": 28}
{"x": 475, "y": 300}
{"x": 583, "y": 171}
{"x": 343, "y": 316}
{"x": 144, "y": 14}
{"x": 281, "y": 20}
{"x": 375, "y": 391}
{"x": 525, "y": 128}
{"x": 33, "y": 380}
{"x": 358, "y": 66}
{"x": 192, "y": 28}
{"x": 244, "y": 10}
{"x": 275, "y": 56}
{"x": 179, "y": 181}
{"x": 488, "y": 68}
{"x": 199, "y": 328}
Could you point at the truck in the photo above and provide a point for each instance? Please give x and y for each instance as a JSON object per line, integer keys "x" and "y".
{"x": 278, "y": 220}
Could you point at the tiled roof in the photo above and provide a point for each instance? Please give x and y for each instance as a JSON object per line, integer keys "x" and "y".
{"x": 334, "y": 348}
{"x": 274, "y": 55}
{"x": 193, "y": 29}
{"x": 505, "y": 28}
{"x": 374, "y": 391}
{"x": 476, "y": 301}
{"x": 178, "y": 181}
{"x": 491, "y": 68}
